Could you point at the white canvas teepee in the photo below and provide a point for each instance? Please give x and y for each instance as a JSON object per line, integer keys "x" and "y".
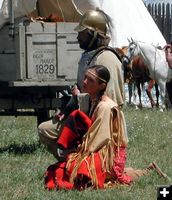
{"x": 130, "y": 18}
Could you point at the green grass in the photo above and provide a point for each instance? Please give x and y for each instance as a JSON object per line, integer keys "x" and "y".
{"x": 23, "y": 160}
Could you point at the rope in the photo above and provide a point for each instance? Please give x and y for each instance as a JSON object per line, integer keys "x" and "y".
{"x": 154, "y": 63}
{"x": 61, "y": 10}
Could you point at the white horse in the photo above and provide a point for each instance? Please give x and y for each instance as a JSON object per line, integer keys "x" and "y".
{"x": 156, "y": 62}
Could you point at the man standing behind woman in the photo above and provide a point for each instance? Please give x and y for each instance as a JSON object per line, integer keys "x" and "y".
{"x": 93, "y": 35}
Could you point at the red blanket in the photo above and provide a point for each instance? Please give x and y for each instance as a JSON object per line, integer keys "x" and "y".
{"x": 76, "y": 125}
{"x": 58, "y": 176}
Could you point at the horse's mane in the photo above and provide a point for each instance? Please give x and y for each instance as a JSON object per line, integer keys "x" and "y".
{"x": 121, "y": 51}
{"x": 158, "y": 49}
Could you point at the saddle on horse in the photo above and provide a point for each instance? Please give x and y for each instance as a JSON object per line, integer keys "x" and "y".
{"x": 168, "y": 54}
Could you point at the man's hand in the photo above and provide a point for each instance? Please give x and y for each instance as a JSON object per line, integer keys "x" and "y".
{"x": 62, "y": 152}
{"x": 59, "y": 115}
{"x": 75, "y": 91}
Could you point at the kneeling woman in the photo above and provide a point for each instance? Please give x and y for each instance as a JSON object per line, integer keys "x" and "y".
{"x": 99, "y": 138}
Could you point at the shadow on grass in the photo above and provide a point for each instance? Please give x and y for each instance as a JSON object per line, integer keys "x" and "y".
{"x": 21, "y": 148}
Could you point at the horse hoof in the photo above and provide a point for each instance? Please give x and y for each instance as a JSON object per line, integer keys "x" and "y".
{"x": 140, "y": 106}
{"x": 153, "y": 105}
{"x": 157, "y": 105}
{"x": 137, "y": 108}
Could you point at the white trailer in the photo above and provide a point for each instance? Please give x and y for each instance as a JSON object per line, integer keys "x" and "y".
{"x": 38, "y": 65}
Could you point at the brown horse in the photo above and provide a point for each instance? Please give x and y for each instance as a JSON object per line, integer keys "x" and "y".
{"x": 137, "y": 73}
{"x": 140, "y": 74}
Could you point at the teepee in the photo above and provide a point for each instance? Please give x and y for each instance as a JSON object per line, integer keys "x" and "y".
{"x": 130, "y": 20}
{"x": 130, "y": 17}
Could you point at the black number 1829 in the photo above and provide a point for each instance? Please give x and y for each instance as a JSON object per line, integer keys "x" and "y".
{"x": 45, "y": 69}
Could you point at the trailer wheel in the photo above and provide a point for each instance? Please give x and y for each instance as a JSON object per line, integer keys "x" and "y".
{"x": 42, "y": 115}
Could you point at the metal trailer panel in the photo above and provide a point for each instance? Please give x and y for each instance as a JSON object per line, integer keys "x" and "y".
{"x": 39, "y": 52}
{"x": 52, "y": 51}
{"x": 8, "y": 57}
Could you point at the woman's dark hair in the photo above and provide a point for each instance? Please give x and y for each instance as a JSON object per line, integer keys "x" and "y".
{"x": 102, "y": 72}
{"x": 103, "y": 76}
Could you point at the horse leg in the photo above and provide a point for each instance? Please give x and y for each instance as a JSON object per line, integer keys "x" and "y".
{"x": 169, "y": 93}
{"x": 134, "y": 94}
{"x": 162, "y": 86}
{"x": 130, "y": 85}
{"x": 151, "y": 83}
{"x": 157, "y": 94}
{"x": 139, "y": 93}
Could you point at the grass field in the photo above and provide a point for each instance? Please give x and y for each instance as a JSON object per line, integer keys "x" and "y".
{"x": 23, "y": 160}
